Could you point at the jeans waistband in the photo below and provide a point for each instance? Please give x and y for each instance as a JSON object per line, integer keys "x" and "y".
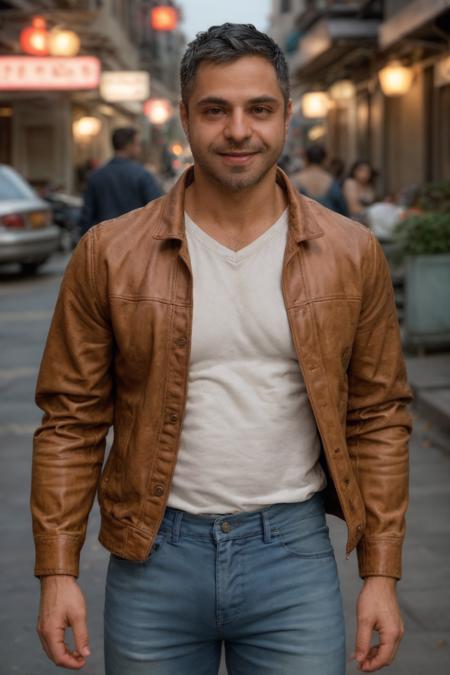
{"x": 179, "y": 523}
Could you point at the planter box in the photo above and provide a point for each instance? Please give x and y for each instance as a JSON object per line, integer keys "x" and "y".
{"x": 427, "y": 300}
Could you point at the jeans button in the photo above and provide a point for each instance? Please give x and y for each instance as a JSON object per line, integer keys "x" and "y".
{"x": 225, "y": 526}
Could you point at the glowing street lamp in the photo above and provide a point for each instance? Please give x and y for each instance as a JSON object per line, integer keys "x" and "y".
{"x": 163, "y": 18}
{"x": 395, "y": 79}
{"x": 86, "y": 128}
{"x": 34, "y": 39}
{"x": 315, "y": 104}
{"x": 342, "y": 90}
{"x": 63, "y": 43}
{"x": 158, "y": 110}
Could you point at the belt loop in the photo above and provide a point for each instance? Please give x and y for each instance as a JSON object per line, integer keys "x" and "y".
{"x": 176, "y": 526}
{"x": 266, "y": 526}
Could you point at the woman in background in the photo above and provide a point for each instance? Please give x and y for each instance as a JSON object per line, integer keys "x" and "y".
{"x": 359, "y": 190}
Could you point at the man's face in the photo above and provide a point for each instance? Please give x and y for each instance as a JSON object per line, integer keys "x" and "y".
{"x": 236, "y": 121}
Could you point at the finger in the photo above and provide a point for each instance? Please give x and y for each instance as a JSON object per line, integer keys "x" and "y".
{"x": 379, "y": 657}
{"x": 363, "y": 637}
{"x": 80, "y": 634}
{"x": 44, "y": 644}
{"x": 60, "y": 654}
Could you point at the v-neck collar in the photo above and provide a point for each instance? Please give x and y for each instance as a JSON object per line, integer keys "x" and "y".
{"x": 243, "y": 253}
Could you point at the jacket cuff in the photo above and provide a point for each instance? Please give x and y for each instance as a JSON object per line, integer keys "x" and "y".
{"x": 57, "y": 555}
{"x": 380, "y": 557}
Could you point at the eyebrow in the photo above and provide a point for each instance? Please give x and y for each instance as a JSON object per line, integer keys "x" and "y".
{"x": 215, "y": 100}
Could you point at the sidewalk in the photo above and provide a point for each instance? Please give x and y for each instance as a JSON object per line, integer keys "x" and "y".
{"x": 429, "y": 377}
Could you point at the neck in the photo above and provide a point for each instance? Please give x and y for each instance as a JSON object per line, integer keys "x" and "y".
{"x": 209, "y": 202}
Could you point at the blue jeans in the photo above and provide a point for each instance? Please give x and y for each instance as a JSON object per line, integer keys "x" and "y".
{"x": 262, "y": 583}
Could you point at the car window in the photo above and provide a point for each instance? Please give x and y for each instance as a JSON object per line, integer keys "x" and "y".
{"x": 12, "y": 186}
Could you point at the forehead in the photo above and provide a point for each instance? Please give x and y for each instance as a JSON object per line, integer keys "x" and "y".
{"x": 247, "y": 77}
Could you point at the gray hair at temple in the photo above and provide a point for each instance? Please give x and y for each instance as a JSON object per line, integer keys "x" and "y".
{"x": 227, "y": 43}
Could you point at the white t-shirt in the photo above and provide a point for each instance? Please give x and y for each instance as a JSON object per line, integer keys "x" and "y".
{"x": 249, "y": 438}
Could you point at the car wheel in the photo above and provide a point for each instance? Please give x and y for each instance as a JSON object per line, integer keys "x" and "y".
{"x": 30, "y": 268}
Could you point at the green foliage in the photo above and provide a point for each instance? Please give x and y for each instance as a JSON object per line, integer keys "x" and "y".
{"x": 424, "y": 233}
{"x": 435, "y": 197}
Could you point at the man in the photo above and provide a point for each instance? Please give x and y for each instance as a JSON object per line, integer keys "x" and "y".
{"x": 243, "y": 341}
{"x": 315, "y": 182}
{"x": 121, "y": 185}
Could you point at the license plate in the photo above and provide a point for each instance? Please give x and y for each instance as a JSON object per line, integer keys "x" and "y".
{"x": 37, "y": 220}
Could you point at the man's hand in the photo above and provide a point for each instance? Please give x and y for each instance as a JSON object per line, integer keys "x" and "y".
{"x": 377, "y": 610}
{"x": 63, "y": 605}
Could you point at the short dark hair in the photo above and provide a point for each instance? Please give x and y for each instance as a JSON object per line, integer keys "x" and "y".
{"x": 316, "y": 153}
{"x": 362, "y": 162}
{"x": 122, "y": 137}
{"x": 227, "y": 43}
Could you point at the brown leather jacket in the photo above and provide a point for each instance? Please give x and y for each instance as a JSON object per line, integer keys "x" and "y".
{"x": 118, "y": 354}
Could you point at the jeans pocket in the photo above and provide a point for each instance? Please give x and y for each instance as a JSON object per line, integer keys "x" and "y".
{"x": 309, "y": 538}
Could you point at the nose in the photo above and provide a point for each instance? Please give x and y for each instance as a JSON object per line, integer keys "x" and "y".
{"x": 237, "y": 128}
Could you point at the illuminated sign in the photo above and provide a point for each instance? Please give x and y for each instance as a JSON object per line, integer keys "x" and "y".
{"x": 125, "y": 85}
{"x": 25, "y": 73}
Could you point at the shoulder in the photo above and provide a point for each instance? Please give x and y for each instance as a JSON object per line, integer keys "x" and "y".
{"x": 130, "y": 228}
{"x": 335, "y": 226}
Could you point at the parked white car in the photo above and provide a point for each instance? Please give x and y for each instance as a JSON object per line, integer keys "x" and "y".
{"x": 27, "y": 233}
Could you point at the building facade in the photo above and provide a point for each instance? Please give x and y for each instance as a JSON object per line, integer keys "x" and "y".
{"x": 36, "y": 127}
{"x": 406, "y": 136}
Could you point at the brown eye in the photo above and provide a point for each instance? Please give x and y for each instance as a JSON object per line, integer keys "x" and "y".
{"x": 260, "y": 111}
{"x": 213, "y": 112}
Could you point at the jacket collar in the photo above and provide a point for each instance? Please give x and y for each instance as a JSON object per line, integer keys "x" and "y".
{"x": 302, "y": 222}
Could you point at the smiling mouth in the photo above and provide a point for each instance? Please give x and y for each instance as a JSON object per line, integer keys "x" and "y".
{"x": 238, "y": 154}
{"x": 237, "y": 158}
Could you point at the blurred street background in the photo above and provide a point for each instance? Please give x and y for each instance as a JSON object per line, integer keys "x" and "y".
{"x": 371, "y": 118}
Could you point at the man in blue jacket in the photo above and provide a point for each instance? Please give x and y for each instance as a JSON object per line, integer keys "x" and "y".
{"x": 121, "y": 185}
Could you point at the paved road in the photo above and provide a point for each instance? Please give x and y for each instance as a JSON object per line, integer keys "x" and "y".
{"x": 25, "y": 310}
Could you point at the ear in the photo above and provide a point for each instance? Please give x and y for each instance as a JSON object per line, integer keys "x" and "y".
{"x": 184, "y": 118}
{"x": 288, "y": 113}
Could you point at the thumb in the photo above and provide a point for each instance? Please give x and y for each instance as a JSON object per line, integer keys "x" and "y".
{"x": 363, "y": 638}
{"x": 80, "y": 634}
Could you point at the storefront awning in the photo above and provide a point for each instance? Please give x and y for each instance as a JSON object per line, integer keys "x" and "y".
{"x": 410, "y": 18}
{"x": 330, "y": 39}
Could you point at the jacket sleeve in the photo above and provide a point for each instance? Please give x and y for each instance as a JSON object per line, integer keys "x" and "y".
{"x": 74, "y": 390}
{"x": 378, "y": 423}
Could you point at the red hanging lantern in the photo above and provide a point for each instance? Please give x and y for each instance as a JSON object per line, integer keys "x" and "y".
{"x": 34, "y": 39}
{"x": 164, "y": 18}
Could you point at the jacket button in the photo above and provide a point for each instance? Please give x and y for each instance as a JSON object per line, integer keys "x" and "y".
{"x": 337, "y": 451}
{"x": 173, "y": 417}
{"x": 346, "y": 481}
{"x": 181, "y": 341}
{"x": 158, "y": 490}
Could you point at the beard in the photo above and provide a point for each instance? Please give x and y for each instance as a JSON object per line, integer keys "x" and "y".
{"x": 237, "y": 178}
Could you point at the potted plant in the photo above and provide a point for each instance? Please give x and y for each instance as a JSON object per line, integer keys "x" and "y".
{"x": 424, "y": 240}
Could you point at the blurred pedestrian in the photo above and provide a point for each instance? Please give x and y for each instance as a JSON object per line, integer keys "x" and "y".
{"x": 315, "y": 182}
{"x": 241, "y": 340}
{"x": 336, "y": 166}
{"x": 359, "y": 189}
{"x": 121, "y": 184}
